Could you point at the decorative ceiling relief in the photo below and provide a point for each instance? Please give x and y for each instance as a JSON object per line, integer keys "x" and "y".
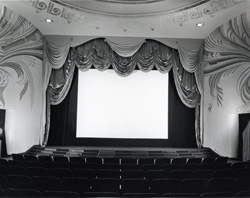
{"x": 20, "y": 45}
{"x": 226, "y": 50}
{"x": 71, "y": 13}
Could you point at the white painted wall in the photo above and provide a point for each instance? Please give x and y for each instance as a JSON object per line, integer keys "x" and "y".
{"x": 221, "y": 126}
{"x": 22, "y": 124}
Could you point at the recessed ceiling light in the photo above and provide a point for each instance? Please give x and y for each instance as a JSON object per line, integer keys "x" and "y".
{"x": 200, "y": 24}
{"x": 49, "y": 20}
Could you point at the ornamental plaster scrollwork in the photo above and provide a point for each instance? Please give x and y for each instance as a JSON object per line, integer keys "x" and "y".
{"x": 83, "y": 15}
{"x": 4, "y": 80}
{"x": 243, "y": 88}
{"x": 226, "y": 50}
{"x": 20, "y": 45}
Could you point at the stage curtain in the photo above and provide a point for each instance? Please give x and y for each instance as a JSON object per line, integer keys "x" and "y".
{"x": 103, "y": 54}
{"x": 192, "y": 61}
{"x": 54, "y": 57}
{"x": 125, "y": 50}
{"x": 185, "y": 84}
{"x": 246, "y": 143}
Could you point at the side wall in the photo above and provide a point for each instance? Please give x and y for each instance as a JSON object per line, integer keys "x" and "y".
{"x": 22, "y": 121}
{"x": 221, "y": 123}
{"x": 226, "y": 84}
{"x": 21, "y": 74}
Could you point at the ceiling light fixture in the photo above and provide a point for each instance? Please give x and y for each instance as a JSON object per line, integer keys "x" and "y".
{"x": 49, "y": 20}
{"x": 200, "y": 24}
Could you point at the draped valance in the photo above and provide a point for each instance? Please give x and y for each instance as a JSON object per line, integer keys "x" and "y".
{"x": 103, "y": 54}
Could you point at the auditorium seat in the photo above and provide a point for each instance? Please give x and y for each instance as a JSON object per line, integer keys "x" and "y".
{"x": 4, "y": 184}
{"x": 111, "y": 161}
{"x": 4, "y": 162}
{"x": 60, "y": 159}
{"x": 60, "y": 172}
{"x": 18, "y": 157}
{"x": 105, "y": 185}
{"x": 156, "y": 174}
{"x": 197, "y": 186}
{"x": 20, "y": 182}
{"x": 30, "y": 158}
{"x": 238, "y": 165}
{"x": 146, "y": 167}
{"x": 242, "y": 184}
{"x": 16, "y": 163}
{"x": 218, "y": 194}
{"x": 190, "y": 167}
{"x": 47, "y": 164}
{"x": 222, "y": 166}
{"x": 86, "y": 173}
{"x": 12, "y": 192}
{"x": 162, "y": 186}
{"x": 93, "y": 166}
{"x": 38, "y": 171}
{"x": 222, "y": 173}
{"x": 206, "y": 174}
{"x": 100, "y": 194}
{"x": 219, "y": 160}
{"x": 44, "y": 183}
{"x": 179, "y": 174}
{"x": 17, "y": 170}
{"x": 179, "y": 161}
{"x": 70, "y": 165}
{"x": 131, "y": 167}
{"x": 2, "y": 193}
{"x": 125, "y": 174}
{"x": 142, "y": 161}
{"x": 219, "y": 185}
{"x": 3, "y": 170}
{"x": 243, "y": 194}
{"x": 170, "y": 167}
{"x": 77, "y": 159}
{"x": 60, "y": 194}
{"x": 109, "y": 166}
{"x": 140, "y": 195}
{"x": 33, "y": 164}
{"x": 134, "y": 186}
{"x": 128, "y": 161}
{"x": 108, "y": 173}
{"x": 162, "y": 161}
{"x": 244, "y": 172}
{"x": 45, "y": 158}
{"x": 194, "y": 160}
{"x": 180, "y": 195}
{"x": 208, "y": 160}
{"x": 76, "y": 184}
{"x": 94, "y": 160}
{"x": 205, "y": 166}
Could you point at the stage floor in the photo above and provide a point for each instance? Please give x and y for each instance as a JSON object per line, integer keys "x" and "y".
{"x": 121, "y": 152}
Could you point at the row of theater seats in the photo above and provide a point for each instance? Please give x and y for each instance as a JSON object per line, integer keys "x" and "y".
{"x": 140, "y": 161}
{"x": 159, "y": 187}
{"x": 62, "y": 176}
{"x": 129, "y": 171}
